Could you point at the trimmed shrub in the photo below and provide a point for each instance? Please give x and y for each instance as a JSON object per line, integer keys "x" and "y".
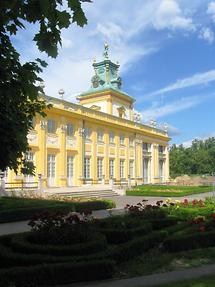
{"x": 163, "y": 222}
{"x": 21, "y": 243}
{"x": 53, "y": 274}
{"x": 116, "y": 236}
{"x": 189, "y": 241}
{"x": 137, "y": 246}
{"x": 19, "y": 213}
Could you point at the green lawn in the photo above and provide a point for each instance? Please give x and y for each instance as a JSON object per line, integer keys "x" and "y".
{"x": 167, "y": 191}
{"x": 207, "y": 281}
{"x": 17, "y": 209}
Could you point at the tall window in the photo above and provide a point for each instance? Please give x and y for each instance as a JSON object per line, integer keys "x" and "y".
{"x": 87, "y": 133}
{"x": 161, "y": 149}
{"x": 70, "y": 166}
{"x": 146, "y": 147}
{"x": 122, "y": 139}
{"x": 111, "y": 137}
{"x": 100, "y": 135}
{"x": 69, "y": 129}
{"x": 146, "y": 170}
{"x": 122, "y": 168}
{"x": 29, "y": 156}
{"x": 111, "y": 168}
{"x": 99, "y": 168}
{"x": 51, "y": 126}
{"x": 131, "y": 141}
{"x": 161, "y": 170}
{"x": 131, "y": 168}
{"x": 51, "y": 169}
{"x": 87, "y": 167}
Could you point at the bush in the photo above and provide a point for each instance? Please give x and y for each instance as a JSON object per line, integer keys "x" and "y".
{"x": 59, "y": 273}
{"x": 21, "y": 243}
{"x": 163, "y": 222}
{"x": 19, "y": 213}
{"x": 122, "y": 228}
{"x": 137, "y": 246}
{"x": 189, "y": 241}
{"x": 115, "y": 236}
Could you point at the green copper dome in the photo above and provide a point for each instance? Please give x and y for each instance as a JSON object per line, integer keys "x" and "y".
{"x": 106, "y": 75}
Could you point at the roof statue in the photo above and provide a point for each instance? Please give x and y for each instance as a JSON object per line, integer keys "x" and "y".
{"x": 106, "y": 76}
{"x": 105, "y": 53}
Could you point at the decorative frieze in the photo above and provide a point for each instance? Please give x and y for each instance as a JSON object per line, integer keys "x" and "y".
{"x": 52, "y": 140}
{"x": 71, "y": 142}
{"x": 32, "y": 137}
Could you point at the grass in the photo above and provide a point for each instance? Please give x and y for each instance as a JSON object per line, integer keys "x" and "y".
{"x": 17, "y": 209}
{"x": 167, "y": 191}
{"x": 207, "y": 281}
{"x": 156, "y": 261}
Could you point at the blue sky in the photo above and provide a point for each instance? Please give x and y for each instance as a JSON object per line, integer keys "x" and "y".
{"x": 166, "y": 49}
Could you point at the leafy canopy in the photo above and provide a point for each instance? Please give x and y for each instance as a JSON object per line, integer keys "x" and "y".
{"x": 197, "y": 159}
{"x": 19, "y": 89}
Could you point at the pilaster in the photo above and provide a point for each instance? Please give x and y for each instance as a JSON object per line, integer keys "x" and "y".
{"x": 156, "y": 163}
{"x": 94, "y": 157}
{"x": 62, "y": 156}
{"x": 106, "y": 157}
{"x": 42, "y": 154}
{"x": 80, "y": 155}
{"x": 117, "y": 159}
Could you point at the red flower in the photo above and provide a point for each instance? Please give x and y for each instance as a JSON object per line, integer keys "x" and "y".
{"x": 202, "y": 228}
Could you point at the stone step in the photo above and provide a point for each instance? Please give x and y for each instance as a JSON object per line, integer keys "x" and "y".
{"x": 100, "y": 193}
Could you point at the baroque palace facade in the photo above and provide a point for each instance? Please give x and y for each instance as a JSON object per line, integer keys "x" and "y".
{"x": 97, "y": 140}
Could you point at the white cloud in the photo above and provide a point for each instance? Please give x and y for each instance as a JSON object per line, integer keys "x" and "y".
{"x": 194, "y": 80}
{"x": 66, "y": 43}
{"x": 188, "y": 143}
{"x": 207, "y": 34}
{"x": 124, "y": 24}
{"x": 211, "y": 10}
{"x": 169, "y": 15}
{"x": 171, "y": 108}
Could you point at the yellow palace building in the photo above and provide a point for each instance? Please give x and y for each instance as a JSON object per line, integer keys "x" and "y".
{"x": 97, "y": 141}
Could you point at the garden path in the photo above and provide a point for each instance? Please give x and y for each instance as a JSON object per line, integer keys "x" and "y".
{"x": 154, "y": 279}
{"x": 121, "y": 201}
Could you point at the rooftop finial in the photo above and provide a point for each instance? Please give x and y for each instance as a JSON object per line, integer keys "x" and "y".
{"x": 105, "y": 54}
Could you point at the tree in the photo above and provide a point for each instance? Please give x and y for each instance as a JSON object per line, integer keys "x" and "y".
{"x": 197, "y": 159}
{"x": 19, "y": 89}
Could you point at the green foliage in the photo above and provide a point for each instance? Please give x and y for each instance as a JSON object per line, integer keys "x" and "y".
{"x": 167, "y": 190}
{"x": 17, "y": 209}
{"x": 19, "y": 90}
{"x": 185, "y": 241}
{"x": 56, "y": 273}
{"x": 197, "y": 159}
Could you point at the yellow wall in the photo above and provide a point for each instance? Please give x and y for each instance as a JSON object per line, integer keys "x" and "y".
{"x": 62, "y": 146}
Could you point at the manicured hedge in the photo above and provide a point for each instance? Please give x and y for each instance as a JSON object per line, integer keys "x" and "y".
{"x": 137, "y": 246}
{"x": 21, "y": 243}
{"x": 115, "y": 236}
{"x": 58, "y": 273}
{"x": 163, "y": 222}
{"x": 184, "y": 242}
{"x": 25, "y": 213}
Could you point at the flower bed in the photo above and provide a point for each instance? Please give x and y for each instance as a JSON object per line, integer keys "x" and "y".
{"x": 83, "y": 248}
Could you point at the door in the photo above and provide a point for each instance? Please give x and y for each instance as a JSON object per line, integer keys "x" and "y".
{"x": 70, "y": 170}
{"x": 51, "y": 165}
{"x": 146, "y": 170}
